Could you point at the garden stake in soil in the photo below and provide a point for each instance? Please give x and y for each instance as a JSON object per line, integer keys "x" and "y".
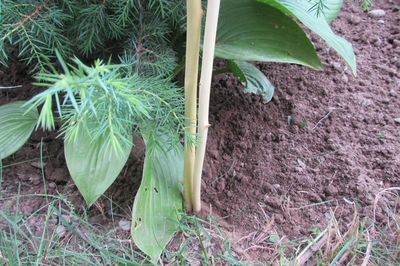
{"x": 204, "y": 96}
{"x": 194, "y": 13}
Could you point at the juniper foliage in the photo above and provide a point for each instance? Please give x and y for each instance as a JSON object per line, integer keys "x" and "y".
{"x": 108, "y": 103}
{"x": 133, "y": 93}
{"x": 140, "y": 33}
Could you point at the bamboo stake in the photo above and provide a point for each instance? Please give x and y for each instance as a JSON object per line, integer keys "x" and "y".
{"x": 194, "y": 14}
{"x": 204, "y": 96}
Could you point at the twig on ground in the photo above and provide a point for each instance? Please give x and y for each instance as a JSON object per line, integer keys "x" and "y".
{"x": 10, "y": 87}
{"x": 322, "y": 119}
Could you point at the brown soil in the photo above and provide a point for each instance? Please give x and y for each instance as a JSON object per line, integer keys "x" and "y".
{"x": 327, "y": 141}
{"x": 326, "y": 136}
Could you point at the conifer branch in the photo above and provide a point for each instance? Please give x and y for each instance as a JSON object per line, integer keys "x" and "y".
{"x": 36, "y": 12}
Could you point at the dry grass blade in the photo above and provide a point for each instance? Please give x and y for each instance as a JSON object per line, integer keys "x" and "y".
{"x": 379, "y": 196}
{"x": 368, "y": 253}
{"x": 312, "y": 248}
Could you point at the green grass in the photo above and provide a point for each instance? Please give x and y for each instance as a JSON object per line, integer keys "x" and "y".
{"x": 202, "y": 242}
{"x": 56, "y": 235}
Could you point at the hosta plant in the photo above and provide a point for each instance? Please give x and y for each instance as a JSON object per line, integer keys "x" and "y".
{"x": 135, "y": 88}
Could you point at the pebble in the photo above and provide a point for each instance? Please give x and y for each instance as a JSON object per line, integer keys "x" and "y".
{"x": 214, "y": 153}
{"x": 397, "y": 120}
{"x": 381, "y": 21}
{"x": 367, "y": 102}
{"x": 60, "y": 231}
{"x": 301, "y": 164}
{"x": 355, "y": 20}
{"x": 124, "y": 225}
{"x": 393, "y": 37}
{"x": 337, "y": 66}
{"x": 35, "y": 180}
{"x": 376, "y": 13}
{"x": 376, "y": 41}
{"x": 392, "y": 93}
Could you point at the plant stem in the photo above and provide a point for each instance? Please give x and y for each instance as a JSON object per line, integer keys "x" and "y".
{"x": 194, "y": 14}
{"x": 204, "y": 96}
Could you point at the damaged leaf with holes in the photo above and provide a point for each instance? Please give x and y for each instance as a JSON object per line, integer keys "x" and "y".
{"x": 158, "y": 203}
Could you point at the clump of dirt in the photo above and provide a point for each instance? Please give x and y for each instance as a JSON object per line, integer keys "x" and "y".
{"x": 327, "y": 141}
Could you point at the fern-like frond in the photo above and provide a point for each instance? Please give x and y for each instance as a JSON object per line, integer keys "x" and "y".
{"x": 115, "y": 105}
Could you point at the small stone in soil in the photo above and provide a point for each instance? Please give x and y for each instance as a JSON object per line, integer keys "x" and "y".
{"x": 376, "y": 13}
{"x": 124, "y": 225}
{"x": 35, "y": 180}
{"x": 376, "y": 41}
{"x": 337, "y": 66}
{"x": 301, "y": 163}
{"x": 392, "y": 93}
{"x": 330, "y": 190}
{"x": 60, "y": 231}
{"x": 355, "y": 20}
{"x": 397, "y": 120}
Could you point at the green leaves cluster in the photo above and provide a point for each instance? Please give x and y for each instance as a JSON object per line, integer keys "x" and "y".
{"x": 100, "y": 110}
{"x": 140, "y": 31}
{"x": 107, "y": 103}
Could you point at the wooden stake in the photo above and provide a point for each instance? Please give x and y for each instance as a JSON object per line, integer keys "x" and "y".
{"x": 194, "y": 14}
{"x": 204, "y": 96}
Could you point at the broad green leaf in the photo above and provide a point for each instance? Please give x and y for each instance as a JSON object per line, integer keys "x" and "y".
{"x": 252, "y": 78}
{"x": 301, "y": 9}
{"x": 332, "y": 9}
{"x": 158, "y": 203}
{"x": 93, "y": 165}
{"x": 16, "y": 126}
{"x": 251, "y": 31}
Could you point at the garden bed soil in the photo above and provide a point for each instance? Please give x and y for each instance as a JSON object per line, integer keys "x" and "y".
{"x": 327, "y": 142}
